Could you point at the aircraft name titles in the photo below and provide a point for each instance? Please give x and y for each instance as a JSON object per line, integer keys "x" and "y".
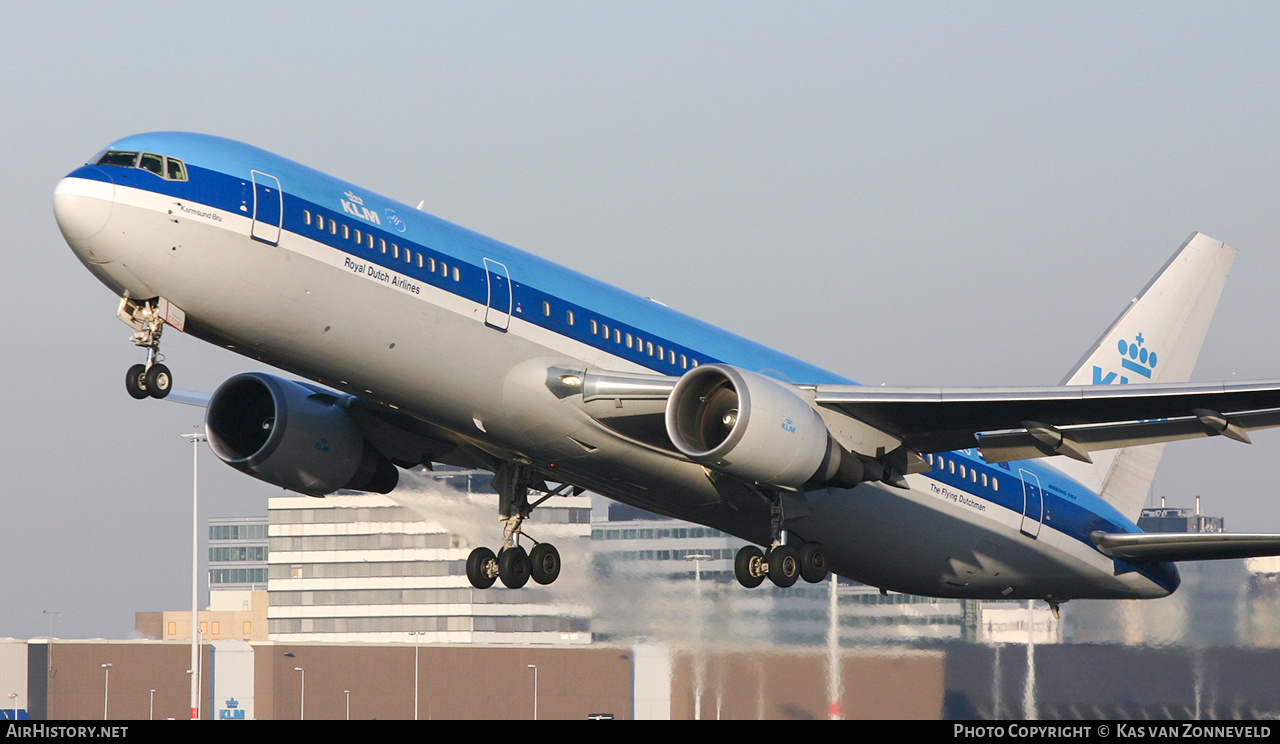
{"x": 957, "y": 497}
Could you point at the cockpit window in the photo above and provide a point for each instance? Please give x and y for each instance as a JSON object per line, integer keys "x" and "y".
{"x": 113, "y": 157}
{"x": 153, "y": 163}
{"x": 165, "y": 167}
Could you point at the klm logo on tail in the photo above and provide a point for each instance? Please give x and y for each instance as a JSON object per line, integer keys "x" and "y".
{"x": 1134, "y": 357}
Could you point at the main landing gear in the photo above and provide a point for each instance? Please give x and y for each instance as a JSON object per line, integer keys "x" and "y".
{"x": 151, "y": 379}
{"x": 512, "y": 564}
{"x": 782, "y": 563}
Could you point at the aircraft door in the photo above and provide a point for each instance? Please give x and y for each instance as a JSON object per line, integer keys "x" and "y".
{"x": 1032, "y": 504}
{"x": 498, "y": 314}
{"x": 268, "y": 208}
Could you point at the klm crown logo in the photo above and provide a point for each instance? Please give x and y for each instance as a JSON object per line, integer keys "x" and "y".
{"x": 1134, "y": 357}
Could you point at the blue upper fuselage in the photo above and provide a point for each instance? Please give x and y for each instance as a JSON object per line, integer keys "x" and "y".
{"x": 220, "y": 175}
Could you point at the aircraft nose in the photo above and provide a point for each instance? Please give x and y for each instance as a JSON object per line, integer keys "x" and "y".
{"x": 83, "y": 206}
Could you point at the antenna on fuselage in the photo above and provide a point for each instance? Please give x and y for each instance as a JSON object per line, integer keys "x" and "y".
{"x": 424, "y": 201}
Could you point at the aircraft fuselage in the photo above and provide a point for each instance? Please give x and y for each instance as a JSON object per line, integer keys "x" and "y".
{"x": 384, "y": 302}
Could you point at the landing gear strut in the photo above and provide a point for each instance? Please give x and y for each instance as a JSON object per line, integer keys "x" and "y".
{"x": 153, "y": 378}
{"x": 512, "y": 565}
{"x": 782, "y": 563}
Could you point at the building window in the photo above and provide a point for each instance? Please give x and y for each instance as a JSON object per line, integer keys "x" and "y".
{"x": 172, "y": 629}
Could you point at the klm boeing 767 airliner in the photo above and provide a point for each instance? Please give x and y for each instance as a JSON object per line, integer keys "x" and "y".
{"x": 420, "y": 342}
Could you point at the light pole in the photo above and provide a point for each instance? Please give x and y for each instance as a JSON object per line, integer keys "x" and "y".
{"x": 51, "y": 615}
{"x": 700, "y": 670}
{"x": 534, "y": 667}
{"x": 348, "y": 694}
{"x": 106, "y": 687}
{"x": 151, "y": 707}
{"x": 13, "y": 698}
{"x": 417, "y": 635}
{"x": 195, "y": 438}
{"x": 302, "y": 702}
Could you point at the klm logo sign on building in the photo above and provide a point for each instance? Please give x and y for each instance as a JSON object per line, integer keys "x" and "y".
{"x": 231, "y": 711}
{"x": 1134, "y": 357}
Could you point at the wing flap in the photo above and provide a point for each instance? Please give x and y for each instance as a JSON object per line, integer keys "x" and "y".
{"x": 1093, "y": 417}
{"x": 1006, "y": 446}
{"x": 1186, "y": 546}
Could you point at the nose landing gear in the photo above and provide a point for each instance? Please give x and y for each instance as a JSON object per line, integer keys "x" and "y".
{"x": 152, "y": 379}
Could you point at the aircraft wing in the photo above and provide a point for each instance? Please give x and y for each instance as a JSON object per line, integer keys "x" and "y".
{"x": 186, "y": 397}
{"x": 1014, "y": 423}
{"x": 1199, "y": 546}
{"x": 1021, "y": 423}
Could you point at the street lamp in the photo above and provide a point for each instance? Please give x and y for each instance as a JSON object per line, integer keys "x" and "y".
{"x": 106, "y": 687}
{"x": 51, "y": 615}
{"x": 151, "y": 707}
{"x": 534, "y": 667}
{"x": 416, "y": 638}
{"x": 699, "y": 670}
{"x": 195, "y": 438}
{"x": 13, "y": 698}
{"x": 302, "y": 702}
{"x": 348, "y": 694}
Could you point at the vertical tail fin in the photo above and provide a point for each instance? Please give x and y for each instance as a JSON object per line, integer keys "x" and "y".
{"x": 1156, "y": 339}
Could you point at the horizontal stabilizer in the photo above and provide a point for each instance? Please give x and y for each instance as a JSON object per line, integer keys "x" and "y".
{"x": 1196, "y": 546}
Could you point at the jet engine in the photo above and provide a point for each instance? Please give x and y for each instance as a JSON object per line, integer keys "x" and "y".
{"x": 755, "y": 428}
{"x": 294, "y": 436}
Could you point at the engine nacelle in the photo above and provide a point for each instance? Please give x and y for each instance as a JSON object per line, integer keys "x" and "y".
{"x": 293, "y": 436}
{"x": 755, "y": 428}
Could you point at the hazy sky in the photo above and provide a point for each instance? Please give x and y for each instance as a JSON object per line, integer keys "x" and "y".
{"x": 910, "y": 193}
